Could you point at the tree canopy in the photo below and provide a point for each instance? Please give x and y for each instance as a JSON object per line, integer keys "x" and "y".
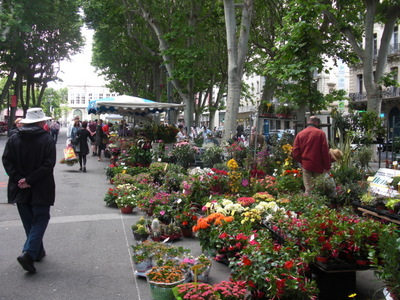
{"x": 39, "y": 35}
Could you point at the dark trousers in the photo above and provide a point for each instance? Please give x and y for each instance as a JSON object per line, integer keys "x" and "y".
{"x": 82, "y": 158}
{"x": 35, "y": 219}
{"x": 54, "y": 134}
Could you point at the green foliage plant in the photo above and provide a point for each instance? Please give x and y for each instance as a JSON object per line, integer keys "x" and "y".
{"x": 386, "y": 260}
{"x": 212, "y": 156}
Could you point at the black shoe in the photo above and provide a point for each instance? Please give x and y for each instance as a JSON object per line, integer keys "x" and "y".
{"x": 80, "y": 169}
{"x": 26, "y": 262}
{"x": 84, "y": 169}
{"x": 41, "y": 255}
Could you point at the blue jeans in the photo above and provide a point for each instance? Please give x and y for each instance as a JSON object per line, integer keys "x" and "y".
{"x": 35, "y": 219}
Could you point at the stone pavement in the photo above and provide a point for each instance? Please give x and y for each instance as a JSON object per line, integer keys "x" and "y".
{"x": 88, "y": 245}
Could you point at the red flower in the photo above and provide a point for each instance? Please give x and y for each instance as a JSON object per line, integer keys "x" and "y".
{"x": 246, "y": 261}
{"x": 288, "y": 265}
{"x": 223, "y": 235}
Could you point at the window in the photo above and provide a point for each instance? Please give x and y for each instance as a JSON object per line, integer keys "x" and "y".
{"x": 272, "y": 124}
{"x": 395, "y": 72}
{"x": 395, "y": 40}
{"x": 278, "y": 124}
{"x": 375, "y": 45}
{"x": 287, "y": 124}
{"x": 78, "y": 99}
{"x": 360, "y": 83}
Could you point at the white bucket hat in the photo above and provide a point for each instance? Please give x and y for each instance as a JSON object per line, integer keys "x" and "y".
{"x": 34, "y": 115}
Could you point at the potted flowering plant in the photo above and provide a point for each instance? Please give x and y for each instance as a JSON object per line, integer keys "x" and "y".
{"x": 194, "y": 290}
{"x": 286, "y": 269}
{"x": 218, "y": 180}
{"x": 201, "y": 268}
{"x": 110, "y": 197}
{"x": 162, "y": 279}
{"x": 155, "y": 200}
{"x": 143, "y": 254}
{"x": 208, "y": 229}
{"x": 231, "y": 290}
{"x": 112, "y": 170}
{"x": 140, "y": 154}
{"x": 140, "y": 229}
{"x": 186, "y": 219}
{"x": 184, "y": 154}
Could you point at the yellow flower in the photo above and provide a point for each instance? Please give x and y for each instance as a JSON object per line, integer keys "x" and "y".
{"x": 232, "y": 164}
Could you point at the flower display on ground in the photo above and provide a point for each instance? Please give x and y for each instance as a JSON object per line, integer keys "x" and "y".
{"x": 231, "y": 290}
{"x": 251, "y": 220}
{"x": 165, "y": 274}
{"x": 195, "y": 291}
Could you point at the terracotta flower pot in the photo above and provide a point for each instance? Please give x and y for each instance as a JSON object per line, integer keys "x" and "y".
{"x": 187, "y": 232}
{"x": 126, "y": 210}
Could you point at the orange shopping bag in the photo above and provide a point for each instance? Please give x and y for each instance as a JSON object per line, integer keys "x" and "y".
{"x": 69, "y": 153}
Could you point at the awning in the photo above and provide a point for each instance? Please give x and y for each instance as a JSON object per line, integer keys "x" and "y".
{"x": 126, "y": 105}
{"x": 245, "y": 114}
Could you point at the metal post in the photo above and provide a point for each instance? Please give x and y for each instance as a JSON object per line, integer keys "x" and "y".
{"x": 256, "y": 132}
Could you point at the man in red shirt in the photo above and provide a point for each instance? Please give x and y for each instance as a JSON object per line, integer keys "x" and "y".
{"x": 310, "y": 149}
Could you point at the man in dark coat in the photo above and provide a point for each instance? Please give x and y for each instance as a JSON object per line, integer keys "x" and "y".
{"x": 29, "y": 158}
{"x": 310, "y": 149}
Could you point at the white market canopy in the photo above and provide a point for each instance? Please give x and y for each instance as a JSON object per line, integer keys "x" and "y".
{"x": 125, "y": 105}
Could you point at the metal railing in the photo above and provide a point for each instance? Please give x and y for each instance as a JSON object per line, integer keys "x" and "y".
{"x": 390, "y": 92}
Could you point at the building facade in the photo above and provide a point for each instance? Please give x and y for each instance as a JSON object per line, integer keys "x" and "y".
{"x": 79, "y": 97}
{"x": 390, "y": 108}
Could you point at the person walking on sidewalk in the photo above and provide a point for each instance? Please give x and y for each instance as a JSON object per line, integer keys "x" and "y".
{"x": 101, "y": 136}
{"x": 310, "y": 149}
{"x": 83, "y": 135}
{"x": 29, "y": 158}
{"x": 54, "y": 130}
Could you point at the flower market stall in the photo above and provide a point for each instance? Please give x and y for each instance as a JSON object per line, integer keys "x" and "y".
{"x": 250, "y": 212}
{"x": 125, "y": 105}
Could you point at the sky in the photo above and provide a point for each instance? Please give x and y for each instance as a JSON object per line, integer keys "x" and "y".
{"x": 78, "y": 70}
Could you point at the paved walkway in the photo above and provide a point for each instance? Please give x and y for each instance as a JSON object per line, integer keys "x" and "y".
{"x": 88, "y": 245}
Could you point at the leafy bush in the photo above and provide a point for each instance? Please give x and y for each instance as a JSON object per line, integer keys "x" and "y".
{"x": 345, "y": 174}
{"x": 212, "y": 156}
